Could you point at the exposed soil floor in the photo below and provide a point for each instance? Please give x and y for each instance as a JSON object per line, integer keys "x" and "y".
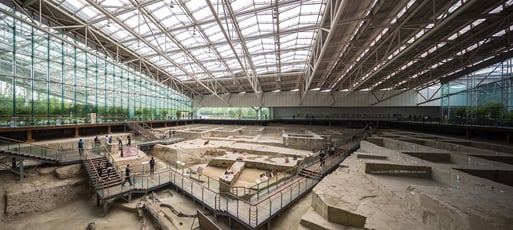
{"x": 79, "y": 213}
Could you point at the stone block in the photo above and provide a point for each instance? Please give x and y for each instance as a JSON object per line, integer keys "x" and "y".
{"x": 370, "y": 156}
{"x": 432, "y": 156}
{"x": 398, "y": 170}
{"x": 336, "y": 214}
{"x": 69, "y": 171}
{"x": 313, "y": 221}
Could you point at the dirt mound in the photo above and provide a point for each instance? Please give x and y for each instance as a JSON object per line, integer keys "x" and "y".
{"x": 164, "y": 153}
{"x": 70, "y": 171}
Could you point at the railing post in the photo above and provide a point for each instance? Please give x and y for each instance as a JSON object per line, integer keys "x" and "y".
{"x": 249, "y": 214}
{"x": 258, "y": 191}
{"x": 270, "y": 205}
{"x": 281, "y": 200}
{"x": 290, "y": 193}
{"x": 256, "y": 214}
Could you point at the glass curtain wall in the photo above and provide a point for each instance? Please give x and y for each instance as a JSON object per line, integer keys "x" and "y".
{"x": 49, "y": 78}
{"x": 484, "y": 97}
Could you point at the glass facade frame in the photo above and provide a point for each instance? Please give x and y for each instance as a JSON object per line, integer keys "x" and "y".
{"x": 50, "y": 78}
{"x": 484, "y": 97}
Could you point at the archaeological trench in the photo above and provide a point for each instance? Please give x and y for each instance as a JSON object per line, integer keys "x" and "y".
{"x": 376, "y": 179}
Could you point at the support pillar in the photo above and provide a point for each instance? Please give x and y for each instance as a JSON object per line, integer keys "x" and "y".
{"x": 76, "y": 132}
{"x": 109, "y": 130}
{"x": 29, "y": 135}
{"x": 21, "y": 169}
{"x": 105, "y": 208}
{"x": 468, "y": 133}
{"x": 97, "y": 200}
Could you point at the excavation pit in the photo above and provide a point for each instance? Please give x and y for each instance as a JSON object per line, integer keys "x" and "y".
{"x": 500, "y": 176}
{"x": 432, "y": 156}
{"x": 503, "y": 159}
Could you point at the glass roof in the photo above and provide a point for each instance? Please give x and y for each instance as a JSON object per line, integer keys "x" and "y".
{"x": 198, "y": 39}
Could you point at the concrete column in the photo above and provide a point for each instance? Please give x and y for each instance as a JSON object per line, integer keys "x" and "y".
{"x": 76, "y": 132}
{"x": 105, "y": 208}
{"x": 97, "y": 200}
{"x": 29, "y": 135}
{"x": 109, "y": 130}
{"x": 21, "y": 169}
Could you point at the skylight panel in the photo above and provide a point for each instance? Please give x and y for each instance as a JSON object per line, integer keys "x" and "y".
{"x": 182, "y": 18}
{"x": 121, "y": 34}
{"x": 73, "y": 5}
{"x": 88, "y": 12}
{"x": 250, "y": 31}
{"x": 290, "y": 13}
{"x": 195, "y": 5}
{"x": 224, "y": 50}
{"x": 264, "y": 19}
{"x": 496, "y": 10}
{"x": 308, "y": 19}
{"x": 288, "y": 23}
{"x": 247, "y": 23}
{"x": 203, "y": 14}
{"x": 240, "y": 5}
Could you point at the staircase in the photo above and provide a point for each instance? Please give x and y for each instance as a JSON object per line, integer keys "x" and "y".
{"x": 305, "y": 172}
{"x": 9, "y": 166}
{"x": 138, "y": 129}
{"x": 92, "y": 164}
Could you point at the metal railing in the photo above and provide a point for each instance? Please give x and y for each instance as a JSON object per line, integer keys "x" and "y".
{"x": 35, "y": 150}
{"x": 252, "y": 213}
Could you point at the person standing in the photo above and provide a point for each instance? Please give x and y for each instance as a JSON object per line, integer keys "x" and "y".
{"x": 129, "y": 140}
{"x": 106, "y": 140}
{"x": 152, "y": 166}
{"x": 127, "y": 176}
{"x": 96, "y": 142}
{"x": 81, "y": 148}
{"x": 321, "y": 157}
{"x": 109, "y": 168}
{"x": 100, "y": 170}
{"x": 120, "y": 142}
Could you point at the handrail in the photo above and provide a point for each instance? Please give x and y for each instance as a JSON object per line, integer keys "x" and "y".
{"x": 23, "y": 142}
{"x": 94, "y": 168}
{"x": 253, "y": 208}
{"x": 10, "y": 139}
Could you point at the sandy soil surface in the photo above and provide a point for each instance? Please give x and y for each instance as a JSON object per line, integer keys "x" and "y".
{"x": 77, "y": 214}
{"x": 248, "y": 177}
{"x": 213, "y": 172}
{"x": 186, "y": 146}
{"x": 291, "y": 217}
